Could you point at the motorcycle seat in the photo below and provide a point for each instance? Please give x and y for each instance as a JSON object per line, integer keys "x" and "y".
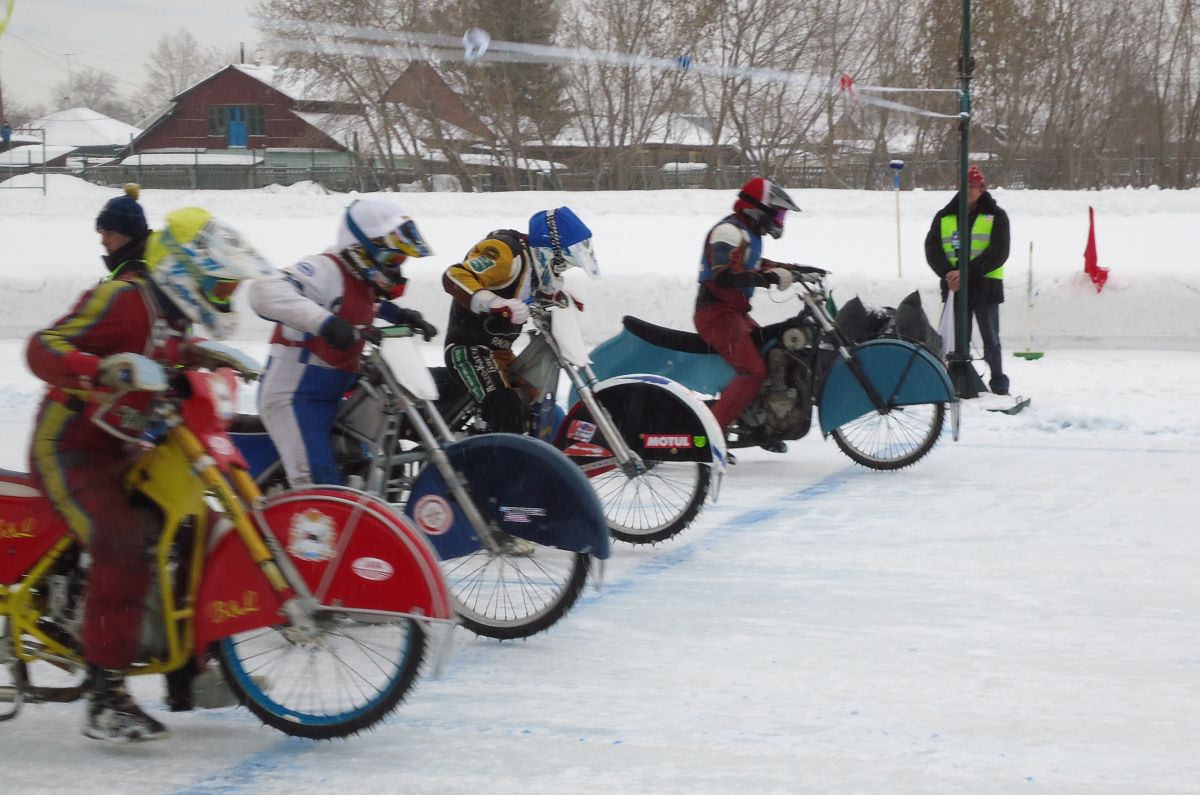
{"x": 662, "y": 337}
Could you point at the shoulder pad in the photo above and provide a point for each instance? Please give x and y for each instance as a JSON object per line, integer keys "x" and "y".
{"x": 728, "y": 233}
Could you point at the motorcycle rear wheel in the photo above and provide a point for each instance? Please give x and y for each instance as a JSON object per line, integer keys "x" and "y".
{"x": 894, "y": 440}
{"x": 345, "y": 681}
{"x": 506, "y": 597}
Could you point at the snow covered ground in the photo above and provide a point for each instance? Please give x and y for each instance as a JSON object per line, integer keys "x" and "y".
{"x": 1016, "y": 613}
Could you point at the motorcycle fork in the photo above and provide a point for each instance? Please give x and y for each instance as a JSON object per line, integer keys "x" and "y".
{"x": 842, "y": 346}
{"x": 584, "y": 381}
{"x": 423, "y": 414}
{"x": 235, "y": 492}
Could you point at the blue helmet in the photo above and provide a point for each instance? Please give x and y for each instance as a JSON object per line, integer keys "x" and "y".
{"x": 559, "y": 240}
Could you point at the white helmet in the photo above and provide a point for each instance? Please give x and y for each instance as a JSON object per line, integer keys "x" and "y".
{"x": 379, "y": 236}
{"x": 198, "y": 262}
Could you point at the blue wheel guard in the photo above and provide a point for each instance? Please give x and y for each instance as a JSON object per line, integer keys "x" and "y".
{"x": 902, "y": 374}
{"x": 526, "y": 486}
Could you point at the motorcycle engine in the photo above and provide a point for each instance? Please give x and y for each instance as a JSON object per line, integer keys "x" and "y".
{"x": 783, "y": 407}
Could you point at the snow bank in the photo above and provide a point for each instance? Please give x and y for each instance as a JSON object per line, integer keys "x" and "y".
{"x": 648, "y": 244}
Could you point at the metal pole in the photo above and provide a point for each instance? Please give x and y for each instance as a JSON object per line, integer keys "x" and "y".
{"x": 966, "y": 381}
{"x": 1029, "y": 302}
{"x": 896, "y": 166}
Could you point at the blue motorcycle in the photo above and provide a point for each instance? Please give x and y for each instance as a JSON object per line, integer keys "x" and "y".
{"x": 514, "y": 522}
{"x": 882, "y": 400}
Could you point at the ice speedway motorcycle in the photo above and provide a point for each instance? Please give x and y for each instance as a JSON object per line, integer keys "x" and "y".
{"x": 651, "y": 449}
{"x": 883, "y": 400}
{"x": 513, "y": 521}
{"x": 318, "y": 603}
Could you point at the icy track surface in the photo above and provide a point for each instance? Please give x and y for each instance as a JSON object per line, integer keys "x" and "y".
{"x": 1016, "y": 613}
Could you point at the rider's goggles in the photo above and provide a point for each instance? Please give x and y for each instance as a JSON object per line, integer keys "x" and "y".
{"x": 407, "y": 240}
{"x": 218, "y": 291}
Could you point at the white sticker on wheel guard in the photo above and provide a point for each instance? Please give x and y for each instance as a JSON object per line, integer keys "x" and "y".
{"x": 373, "y": 569}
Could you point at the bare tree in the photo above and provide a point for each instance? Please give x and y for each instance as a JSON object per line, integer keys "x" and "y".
{"x": 176, "y": 63}
{"x": 357, "y": 71}
{"x": 619, "y": 110}
{"x": 95, "y": 89}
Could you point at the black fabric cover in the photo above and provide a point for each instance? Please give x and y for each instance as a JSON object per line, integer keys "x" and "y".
{"x": 860, "y": 323}
{"x": 913, "y": 325}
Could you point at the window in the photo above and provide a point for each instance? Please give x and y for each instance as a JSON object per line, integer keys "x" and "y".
{"x": 255, "y": 117}
{"x": 256, "y": 120}
{"x": 217, "y": 115}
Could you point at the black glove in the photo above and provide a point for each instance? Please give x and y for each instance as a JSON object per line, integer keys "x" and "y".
{"x": 411, "y": 317}
{"x": 338, "y": 333}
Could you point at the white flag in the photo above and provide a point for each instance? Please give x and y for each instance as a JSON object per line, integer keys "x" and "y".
{"x": 946, "y": 328}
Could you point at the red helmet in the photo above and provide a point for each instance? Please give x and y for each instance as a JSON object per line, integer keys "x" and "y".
{"x": 764, "y": 204}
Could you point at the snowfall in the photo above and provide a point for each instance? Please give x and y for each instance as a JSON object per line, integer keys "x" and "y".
{"x": 1018, "y": 612}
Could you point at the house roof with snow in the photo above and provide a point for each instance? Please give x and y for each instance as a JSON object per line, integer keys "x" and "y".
{"x": 33, "y": 155}
{"x": 84, "y": 127}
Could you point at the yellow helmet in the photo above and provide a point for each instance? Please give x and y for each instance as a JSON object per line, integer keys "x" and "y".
{"x": 198, "y": 261}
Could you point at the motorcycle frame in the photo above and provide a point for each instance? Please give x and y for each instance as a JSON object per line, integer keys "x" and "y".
{"x": 396, "y": 400}
{"x": 176, "y": 475}
{"x": 573, "y": 360}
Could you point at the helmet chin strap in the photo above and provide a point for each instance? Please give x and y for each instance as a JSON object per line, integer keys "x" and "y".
{"x": 559, "y": 263}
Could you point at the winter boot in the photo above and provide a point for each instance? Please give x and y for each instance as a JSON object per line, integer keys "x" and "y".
{"x": 112, "y": 714}
{"x": 775, "y": 447}
{"x": 196, "y": 685}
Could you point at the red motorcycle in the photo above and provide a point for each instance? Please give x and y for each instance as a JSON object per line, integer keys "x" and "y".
{"x": 317, "y": 603}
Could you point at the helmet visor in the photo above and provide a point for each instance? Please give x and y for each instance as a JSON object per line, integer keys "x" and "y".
{"x": 407, "y": 239}
{"x": 581, "y": 255}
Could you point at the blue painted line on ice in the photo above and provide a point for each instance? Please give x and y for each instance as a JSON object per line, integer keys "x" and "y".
{"x": 245, "y": 775}
{"x": 720, "y": 534}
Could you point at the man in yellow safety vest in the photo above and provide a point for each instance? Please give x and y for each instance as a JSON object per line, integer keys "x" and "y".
{"x": 989, "y": 252}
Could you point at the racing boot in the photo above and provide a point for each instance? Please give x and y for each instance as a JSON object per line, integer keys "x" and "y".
{"x": 111, "y": 713}
{"x": 204, "y": 686}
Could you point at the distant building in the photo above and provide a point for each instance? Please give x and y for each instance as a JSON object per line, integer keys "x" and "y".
{"x": 243, "y": 107}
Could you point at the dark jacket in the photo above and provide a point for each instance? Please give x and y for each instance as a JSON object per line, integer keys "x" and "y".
{"x": 129, "y": 260}
{"x": 980, "y": 291}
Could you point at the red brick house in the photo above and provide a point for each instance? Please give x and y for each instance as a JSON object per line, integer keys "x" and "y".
{"x": 242, "y": 107}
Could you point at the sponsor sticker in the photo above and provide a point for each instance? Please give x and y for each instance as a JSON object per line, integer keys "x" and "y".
{"x": 433, "y": 514}
{"x": 220, "y": 445}
{"x": 374, "y": 569}
{"x": 311, "y": 535}
{"x": 581, "y": 431}
{"x": 585, "y": 450}
{"x": 521, "y": 515}
{"x": 480, "y": 264}
{"x": 666, "y": 441}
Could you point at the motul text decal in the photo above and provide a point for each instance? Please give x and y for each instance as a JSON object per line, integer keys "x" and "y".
{"x": 665, "y": 441}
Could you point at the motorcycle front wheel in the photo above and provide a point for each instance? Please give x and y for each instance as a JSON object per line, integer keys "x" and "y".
{"x": 516, "y": 593}
{"x": 894, "y": 440}
{"x": 337, "y": 684}
{"x": 654, "y": 505}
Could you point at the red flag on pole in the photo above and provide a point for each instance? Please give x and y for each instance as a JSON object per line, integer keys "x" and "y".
{"x": 1097, "y": 274}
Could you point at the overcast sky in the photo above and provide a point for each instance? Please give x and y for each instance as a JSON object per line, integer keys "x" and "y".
{"x": 111, "y": 35}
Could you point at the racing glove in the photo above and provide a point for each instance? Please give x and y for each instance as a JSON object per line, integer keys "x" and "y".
{"x": 782, "y": 276}
{"x": 413, "y": 318}
{"x": 338, "y": 333}
{"x": 486, "y": 302}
